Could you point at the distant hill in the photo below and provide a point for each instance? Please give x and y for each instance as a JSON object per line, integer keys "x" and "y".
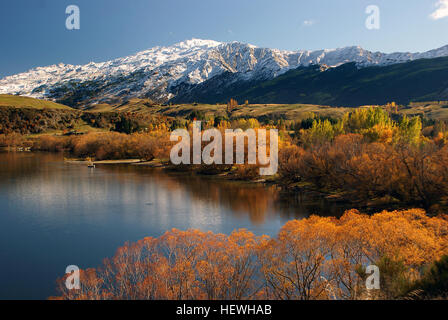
{"x": 26, "y": 102}
{"x": 346, "y": 85}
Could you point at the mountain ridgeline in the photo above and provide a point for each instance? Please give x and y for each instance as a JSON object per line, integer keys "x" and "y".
{"x": 346, "y": 85}
{"x": 209, "y": 71}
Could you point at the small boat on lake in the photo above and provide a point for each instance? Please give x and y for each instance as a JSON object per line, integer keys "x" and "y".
{"x": 90, "y": 164}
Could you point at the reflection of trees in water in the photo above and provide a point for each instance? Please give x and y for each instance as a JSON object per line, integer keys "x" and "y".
{"x": 24, "y": 164}
{"x": 293, "y": 205}
{"x": 240, "y": 198}
{"x": 256, "y": 201}
{"x": 243, "y": 199}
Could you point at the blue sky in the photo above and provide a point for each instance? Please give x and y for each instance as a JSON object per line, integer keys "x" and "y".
{"x": 33, "y": 32}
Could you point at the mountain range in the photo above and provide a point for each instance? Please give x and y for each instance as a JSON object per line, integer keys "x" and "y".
{"x": 210, "y": 71}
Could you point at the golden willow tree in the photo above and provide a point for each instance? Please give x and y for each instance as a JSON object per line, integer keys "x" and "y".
{"x": 314, "y": 258}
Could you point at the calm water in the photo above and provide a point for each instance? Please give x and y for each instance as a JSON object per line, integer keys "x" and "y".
{"x": 54, "y": 214}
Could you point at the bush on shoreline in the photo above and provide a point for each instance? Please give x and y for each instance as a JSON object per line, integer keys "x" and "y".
{"x": 108, "y": 146}
{"x": 314, "y": 258}
{"x": 362, "y": 171}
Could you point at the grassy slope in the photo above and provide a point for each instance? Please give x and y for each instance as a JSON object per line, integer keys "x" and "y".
{"x": 19, "y": 102}
{"x": 26, "y": 102}
{"x": 286, "y": 111}
{"x": 432, "y": 110}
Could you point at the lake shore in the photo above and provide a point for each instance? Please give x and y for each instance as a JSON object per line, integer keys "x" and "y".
{"x": 138, "y": 162}
{"x": 287, "y": 188}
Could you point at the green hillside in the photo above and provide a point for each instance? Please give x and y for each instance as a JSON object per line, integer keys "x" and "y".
{"x": 421, "y": 80}
{"x": 26, "y": 102}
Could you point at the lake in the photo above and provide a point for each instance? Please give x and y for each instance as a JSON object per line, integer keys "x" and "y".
{"x": 54, "y": 214}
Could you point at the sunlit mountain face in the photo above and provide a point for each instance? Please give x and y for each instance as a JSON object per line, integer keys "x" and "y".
{"x": 163, "y": 74}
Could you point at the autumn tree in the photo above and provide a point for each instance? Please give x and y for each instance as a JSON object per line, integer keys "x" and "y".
{"x": 314, "y": 258}
{"x": 231, "y": 105}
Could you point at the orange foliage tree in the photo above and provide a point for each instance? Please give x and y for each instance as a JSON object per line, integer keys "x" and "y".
{"x": 362, "y": 171}
{"x": 314, "y": 258}
{"x": 178, "y": 265}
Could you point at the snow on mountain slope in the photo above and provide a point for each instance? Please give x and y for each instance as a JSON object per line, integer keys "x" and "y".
{"x": 151, "y": 73}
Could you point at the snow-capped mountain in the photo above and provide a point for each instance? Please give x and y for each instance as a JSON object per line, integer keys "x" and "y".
{"x": 155, "y": 72}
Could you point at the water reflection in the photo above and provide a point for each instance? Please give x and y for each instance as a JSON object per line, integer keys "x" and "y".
{"x": 241, "y": 199}
{"x": 53, "y": 214}
{"x": 41, "y": 179}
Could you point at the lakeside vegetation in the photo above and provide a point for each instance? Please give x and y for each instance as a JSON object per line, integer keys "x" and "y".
{"x": 314, "y": 258}
{"x": 376, "y": 156}
{"x": 390, "y": 156}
